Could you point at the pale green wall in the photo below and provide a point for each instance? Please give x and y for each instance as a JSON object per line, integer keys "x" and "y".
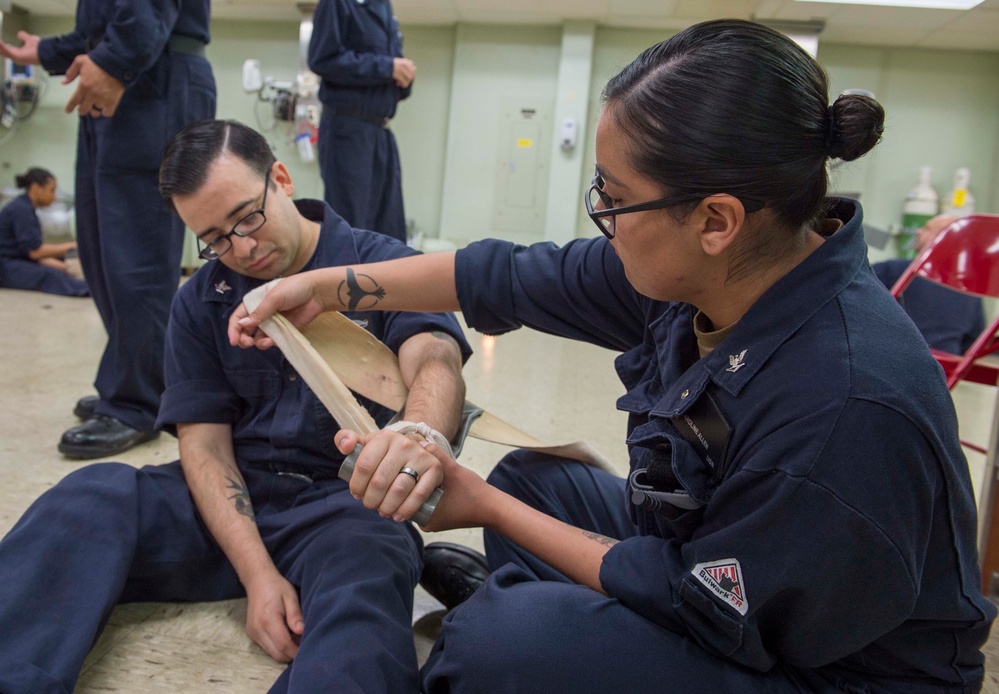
{"x": 492, "y": 64}
{"x": 48, "y": 138}
{"x": 943, "y": 110}
{"x": 421, "y": 123}
{"x": 572, "y": 101}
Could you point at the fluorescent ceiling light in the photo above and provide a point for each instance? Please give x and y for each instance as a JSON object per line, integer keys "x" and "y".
{"x": 930, "y": 4}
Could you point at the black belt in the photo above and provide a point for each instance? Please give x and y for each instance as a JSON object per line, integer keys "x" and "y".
{"x": 184, "y": 45}
{"x": 380, "y": 121}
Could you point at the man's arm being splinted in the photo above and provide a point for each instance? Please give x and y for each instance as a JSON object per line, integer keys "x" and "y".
{"x": 431, "y": 369}
{"x": 393, "y": 473}
{"x": 274, "y": 618}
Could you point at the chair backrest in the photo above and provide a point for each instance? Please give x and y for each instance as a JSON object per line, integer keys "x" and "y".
{"x": 964, "y": 256}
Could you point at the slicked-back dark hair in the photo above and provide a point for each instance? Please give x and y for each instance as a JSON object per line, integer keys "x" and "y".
{"x": 194, "y": 148}
{"x": 34, "y": 175}
{"x": 731, "y": 106}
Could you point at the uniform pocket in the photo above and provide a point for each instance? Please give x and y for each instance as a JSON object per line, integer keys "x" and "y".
{"x": 710, "y": 622}
{"x": 253, "y": 385}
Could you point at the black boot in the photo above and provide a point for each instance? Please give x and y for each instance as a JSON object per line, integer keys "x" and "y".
{"x": 86, "y": 406}
{"x": 101, "y": 436}
{"x": 451, "y": 573}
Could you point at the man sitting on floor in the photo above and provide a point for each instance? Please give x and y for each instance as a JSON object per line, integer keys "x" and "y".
{"x": 254, "y": 506}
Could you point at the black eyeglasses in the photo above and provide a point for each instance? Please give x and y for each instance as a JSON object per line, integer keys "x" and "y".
{"x": 243, "y": 228}
{"x": 604, "y": 217}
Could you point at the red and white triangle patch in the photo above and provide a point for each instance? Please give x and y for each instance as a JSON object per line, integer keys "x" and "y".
{"x": 724, "y": 579}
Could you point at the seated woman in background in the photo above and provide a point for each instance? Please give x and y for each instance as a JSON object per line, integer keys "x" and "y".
{"x": 26, "y": 261}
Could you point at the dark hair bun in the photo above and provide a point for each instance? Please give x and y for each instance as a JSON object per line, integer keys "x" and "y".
{"x": 858, "y": 121}
{"x": 32, "y": 176}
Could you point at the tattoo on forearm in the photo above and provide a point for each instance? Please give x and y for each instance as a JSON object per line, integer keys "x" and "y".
{"x": 602, "y": 539}
{"x": 359, "y": 292}
{"x": 240, "y": 497}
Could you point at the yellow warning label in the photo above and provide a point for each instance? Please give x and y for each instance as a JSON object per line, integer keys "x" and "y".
{"x": 959, "y": 197}
{"x": 525, "y": 142}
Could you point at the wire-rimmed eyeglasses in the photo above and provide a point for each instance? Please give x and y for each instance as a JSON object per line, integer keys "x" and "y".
{"x": 603, "y": 216}
{"x": 247, "y": 225}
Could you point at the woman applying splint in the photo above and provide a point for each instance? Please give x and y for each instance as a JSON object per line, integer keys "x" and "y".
{"x": 798, "y": 516}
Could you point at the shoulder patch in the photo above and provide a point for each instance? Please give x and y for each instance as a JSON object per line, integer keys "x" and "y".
{"x": 724, "y": 579}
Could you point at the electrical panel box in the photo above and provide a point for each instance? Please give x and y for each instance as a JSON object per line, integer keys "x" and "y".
{"x": 523, "y": 162}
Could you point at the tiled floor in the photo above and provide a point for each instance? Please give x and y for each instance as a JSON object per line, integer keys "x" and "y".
{"x": 50, "y": 347}
{"x": 556, "y": 390}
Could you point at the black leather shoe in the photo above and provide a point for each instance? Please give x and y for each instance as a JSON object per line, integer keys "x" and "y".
{"x": 451, "y": 573}
{"x": 101, "y": 436}
{"x": 86, "y": 406}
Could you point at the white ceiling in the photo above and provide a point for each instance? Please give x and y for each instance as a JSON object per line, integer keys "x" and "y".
{"x": 975, "y": 29}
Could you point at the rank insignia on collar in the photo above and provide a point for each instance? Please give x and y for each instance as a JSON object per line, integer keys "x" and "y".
{"x": 222, "y": 287}
{"x": 736, "y": 361}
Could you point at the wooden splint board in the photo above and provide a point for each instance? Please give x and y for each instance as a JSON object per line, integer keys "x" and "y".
{"x": 333, "y": 354}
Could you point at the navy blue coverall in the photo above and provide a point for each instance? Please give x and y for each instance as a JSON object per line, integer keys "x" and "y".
{"x": 130, "y": 244}
{"x": 21, "y": 233}
{"x": 352, "y": 48}
{"x": 819, "y": 529}
{"x": 948, "y": 320}
{"x": 109, "y": 533}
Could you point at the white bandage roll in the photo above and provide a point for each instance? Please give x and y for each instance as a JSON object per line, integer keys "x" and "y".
{"x": 424, "y": 430}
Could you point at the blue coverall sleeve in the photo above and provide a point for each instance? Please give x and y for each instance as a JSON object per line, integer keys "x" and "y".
{"x": 333, "y": 61}
{"x": 135, "y": 37}
{"x": 197, "y": 390}
{"x": 57, "y": 53}
{"x": 578, "y": 291}
{"x": 27, "y": 229}
{"x": 821, "y": 576}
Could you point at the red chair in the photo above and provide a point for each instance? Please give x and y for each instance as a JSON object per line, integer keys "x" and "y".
{"x": 964, "y": 256}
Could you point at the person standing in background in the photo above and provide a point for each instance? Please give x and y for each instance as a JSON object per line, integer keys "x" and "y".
{"x": 141, "y": 75}
{"x": 26, "y": 261}
{"x": 356, "y": 49}
{"x": 947, "y": 319}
